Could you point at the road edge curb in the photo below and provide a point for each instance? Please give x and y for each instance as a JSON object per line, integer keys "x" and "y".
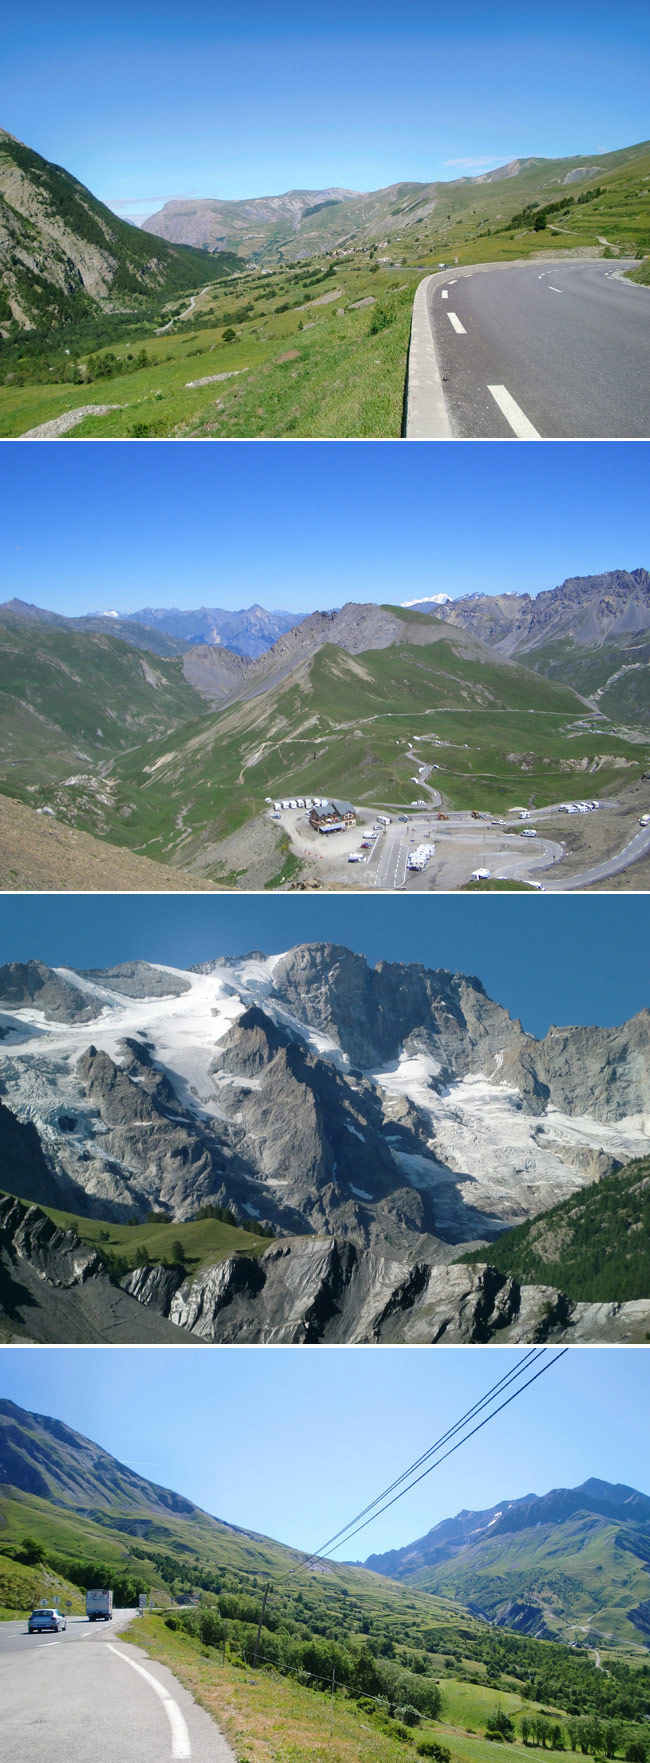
{"x": 427, "y": 417}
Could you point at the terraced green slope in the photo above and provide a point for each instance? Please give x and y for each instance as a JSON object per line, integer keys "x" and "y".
{"x": 486, "y": 725}
{"x": 409, "y": 216}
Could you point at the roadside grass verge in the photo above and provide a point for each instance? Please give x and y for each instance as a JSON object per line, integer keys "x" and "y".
{"x": 345, "y": 379}
{"x": 269, "y": 1718}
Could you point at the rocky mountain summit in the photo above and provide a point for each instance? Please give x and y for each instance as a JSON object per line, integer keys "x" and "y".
{"x": 313, "y": 1092}
{"x": 354, "y": 627}
{"x": 533, "y": 1564}
{"x": 590, "y": 609}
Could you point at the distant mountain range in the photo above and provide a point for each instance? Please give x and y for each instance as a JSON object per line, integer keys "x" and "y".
{"x": 250, "y": 632}
{"x": 592, "y": 632}
{"x": 301, "y": 223}
{"x": 575, "y": 1555}
{"x": 218, "y": 226}
{"x": 169, "y": 631}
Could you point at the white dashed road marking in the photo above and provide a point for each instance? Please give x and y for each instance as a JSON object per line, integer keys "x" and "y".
{"x": 458, "y": 327}
{"x": 553, "y": 290}
{"x": 181, "y": 1746}
{"x": 445, "y": 294}
{"x": 519, "y": 423}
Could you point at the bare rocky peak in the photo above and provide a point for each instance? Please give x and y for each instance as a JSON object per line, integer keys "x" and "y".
{"x": 355, "y": 628}
{"x": 137, "y": 979}
{"x": 373, "y": 1011}
{"x": 32, "y": 985}
{"x": 212, "y": 221}
{"x": 591, "y": 609}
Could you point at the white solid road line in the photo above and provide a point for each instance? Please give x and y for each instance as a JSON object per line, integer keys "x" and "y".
{"x": 181, "y": 1746}
{"x": 553, "y": 290}
{"x": 458, "y": 327}
{"x": 519, "y": 423}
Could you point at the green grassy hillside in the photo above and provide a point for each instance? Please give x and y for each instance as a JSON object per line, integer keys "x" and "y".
{"x": 108, "y": 739}
{"x": 69, "y": 701}
{"x": 416, "y": 218}
{"x": 278, "y": 357}
{"x": 204, "y": 1242}
{"x": 594, "y": 1246}
{"x": 327, "y": 728}
{"x": 577, "y": 1579}
{"x": 616, "y": 674}
{"x": 271, "y": 1711}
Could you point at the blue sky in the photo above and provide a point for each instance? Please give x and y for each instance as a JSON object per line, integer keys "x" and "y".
{"x": 293, "y": 1442}
{"x": 557, "y": 959}
{"x": 154, "y": 101}
{"x": 306, "y": 524}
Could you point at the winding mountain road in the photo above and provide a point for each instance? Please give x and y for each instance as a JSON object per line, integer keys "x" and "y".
{"x": 637, "y": 846}
{"x": 83, "y": 1695}
{"x": 534, "y": 351}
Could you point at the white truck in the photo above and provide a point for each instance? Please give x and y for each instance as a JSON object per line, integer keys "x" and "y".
{"x": 99, "y": 1606}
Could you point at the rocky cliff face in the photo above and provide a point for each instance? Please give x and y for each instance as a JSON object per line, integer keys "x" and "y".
{"x": 302, "y": 1290}
{"x": 591, "y": 609}
{"x": 32, "y": 985}
{"x": 391, "y": 1107}
{"x": 354, "y": 628}
{"x": 61, "y": 249}
{"x": 54, "y": 1289}
{"x": 314, "y": 1291}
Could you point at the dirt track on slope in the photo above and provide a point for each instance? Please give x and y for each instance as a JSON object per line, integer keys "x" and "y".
{"x": 40, "y": 854}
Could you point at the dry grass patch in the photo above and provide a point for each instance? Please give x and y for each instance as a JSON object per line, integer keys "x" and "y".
{"x": 265, "y": 1717}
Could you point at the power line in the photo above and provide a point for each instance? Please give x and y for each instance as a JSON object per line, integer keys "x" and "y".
{"x": 348, "y": 1534}
{"x": 515, "y": 1372}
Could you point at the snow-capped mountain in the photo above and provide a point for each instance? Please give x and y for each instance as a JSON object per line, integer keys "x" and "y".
{"x": 309, "y": 1091}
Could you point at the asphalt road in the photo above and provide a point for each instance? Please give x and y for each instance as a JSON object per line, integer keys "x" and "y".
{"x": 391, "y": 867}
{"x": 638, "y": 846}
{"x": 565, "y": 349}
{"x": 85, "y": 1695}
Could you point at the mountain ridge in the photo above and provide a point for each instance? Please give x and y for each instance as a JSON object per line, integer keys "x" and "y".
{"x": 63, "y": 253}
{"x": 534, "y": 1563}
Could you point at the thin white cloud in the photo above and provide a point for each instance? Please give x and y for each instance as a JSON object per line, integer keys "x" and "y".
{"x": 467, "y": 164}
{"x": 137, "y": 201}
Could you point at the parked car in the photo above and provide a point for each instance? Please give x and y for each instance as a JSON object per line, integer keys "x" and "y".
{"x": 45, "y": 1622}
